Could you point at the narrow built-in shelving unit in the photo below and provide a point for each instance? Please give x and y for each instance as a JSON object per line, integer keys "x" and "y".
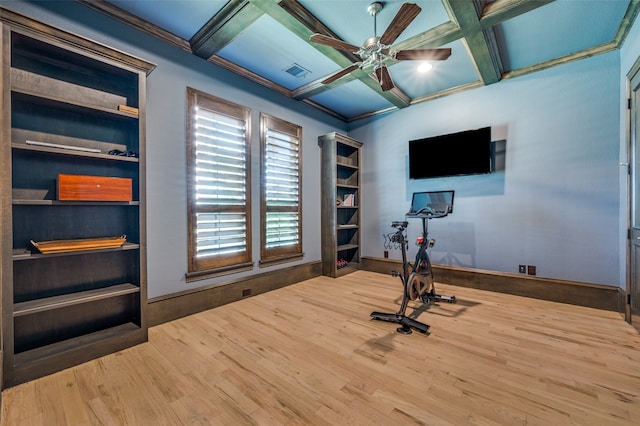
{"x": 67, "y": 103}
{"x": 340, "y": 168}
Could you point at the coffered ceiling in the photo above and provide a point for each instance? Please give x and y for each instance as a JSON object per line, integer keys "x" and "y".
{"x": 267, "y": 41}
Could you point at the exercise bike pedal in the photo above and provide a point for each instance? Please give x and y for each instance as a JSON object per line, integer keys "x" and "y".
{"x": 430, "y": 297}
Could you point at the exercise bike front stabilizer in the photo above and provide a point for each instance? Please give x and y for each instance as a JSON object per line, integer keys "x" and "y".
{"x": 417, "y": 279}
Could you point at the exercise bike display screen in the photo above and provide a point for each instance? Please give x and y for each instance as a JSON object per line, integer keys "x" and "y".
{"x": 440, "y": 202}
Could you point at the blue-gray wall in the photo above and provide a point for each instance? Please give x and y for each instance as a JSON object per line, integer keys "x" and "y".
{"x": 556, "y": 205}
{"x": 559, "y": 204}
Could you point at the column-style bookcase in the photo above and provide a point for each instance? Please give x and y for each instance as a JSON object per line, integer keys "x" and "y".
{"x": 340, "y": 205}
{"x": 73, "y": 255}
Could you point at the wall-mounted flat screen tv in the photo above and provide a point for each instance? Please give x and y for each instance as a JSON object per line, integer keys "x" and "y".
{"x": 455, "y": 154}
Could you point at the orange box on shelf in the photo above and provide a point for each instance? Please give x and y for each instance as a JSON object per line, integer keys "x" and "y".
{"x": 93, "y": 188}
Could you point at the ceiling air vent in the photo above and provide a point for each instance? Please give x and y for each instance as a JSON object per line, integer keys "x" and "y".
{"x": 297, "y": 70}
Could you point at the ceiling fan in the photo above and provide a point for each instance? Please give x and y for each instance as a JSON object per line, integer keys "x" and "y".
{"x": 377, "y": 50}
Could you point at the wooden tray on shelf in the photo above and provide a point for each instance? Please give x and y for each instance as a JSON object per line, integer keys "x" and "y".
{"x": 63, "y": 246}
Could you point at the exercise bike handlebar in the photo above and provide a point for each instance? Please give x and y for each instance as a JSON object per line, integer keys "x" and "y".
{"x": 428, "y": 213}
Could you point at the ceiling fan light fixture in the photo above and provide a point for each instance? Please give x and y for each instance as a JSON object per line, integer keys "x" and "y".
{"x": 424, "y": 67}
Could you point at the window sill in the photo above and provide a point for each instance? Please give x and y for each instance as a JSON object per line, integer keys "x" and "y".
{"x": 212, "y": 273}
{"x": 280, "y": 259}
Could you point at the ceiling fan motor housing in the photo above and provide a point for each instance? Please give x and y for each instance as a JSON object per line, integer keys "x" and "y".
{"x": 372, "y": 52}
{"x": 371, "y": 43}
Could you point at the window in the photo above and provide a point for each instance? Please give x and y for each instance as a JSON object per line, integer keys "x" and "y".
{"x": 219, "y": 206}
{"x": 280, "y": 206}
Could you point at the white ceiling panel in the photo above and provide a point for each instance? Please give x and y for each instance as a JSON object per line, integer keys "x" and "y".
{"x": 265, "y": 55}
{"x": 335, "y": 99}
{"x": 353, "y": 24}
{"x": 455, "y": 71}
{"x": 180, "y": 17}
{"x": 558, "y": 29}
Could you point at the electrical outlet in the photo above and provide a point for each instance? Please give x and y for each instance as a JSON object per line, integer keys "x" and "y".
{"x": 531, "y": 269}
{"x": 246, "y": 292}
{"x": 522, "y": 269}
{"x": 386, "y": 254}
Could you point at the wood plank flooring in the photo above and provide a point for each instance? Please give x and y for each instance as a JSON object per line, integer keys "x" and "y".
{"x": 308, "y": 354}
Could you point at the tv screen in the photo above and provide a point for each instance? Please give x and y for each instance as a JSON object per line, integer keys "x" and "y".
{"x": 455, "y": 154}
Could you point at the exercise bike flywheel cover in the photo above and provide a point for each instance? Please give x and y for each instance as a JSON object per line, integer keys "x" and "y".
{"x": 414, "y": 287}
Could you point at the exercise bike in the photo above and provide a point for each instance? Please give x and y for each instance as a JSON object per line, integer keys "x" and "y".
{"x": 417, "y": 279}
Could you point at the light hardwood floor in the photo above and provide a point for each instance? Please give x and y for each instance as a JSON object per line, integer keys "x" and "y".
{"x": 308, "y": 354}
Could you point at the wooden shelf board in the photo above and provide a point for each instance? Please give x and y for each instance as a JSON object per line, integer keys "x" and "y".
{"x": 57, "y": 302}
{"x": 353, "y": 266}
{"x": 54, "y": 99}
{"x": 343, "y": 185}
{"x": 35, "y": 355}
{"x": 342, "y": 164}
{"x": 74, "y": 203}
{"x": 346, "y": 247}
{"x": 72, "y": 153}
{"x": 24, "y": 254}
{"x": 341, "y": 227}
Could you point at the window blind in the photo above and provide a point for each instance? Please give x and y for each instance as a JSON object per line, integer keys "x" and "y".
{"x": 281, "y": 189}
{"x": 220, "y": 182}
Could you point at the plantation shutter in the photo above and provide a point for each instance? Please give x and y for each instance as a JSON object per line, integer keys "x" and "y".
{"x": 219, "y": 190}
{"x": 281, "y": 177}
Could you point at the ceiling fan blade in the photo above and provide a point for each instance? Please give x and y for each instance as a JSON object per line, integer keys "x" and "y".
{"x": 384, "y": 78}
{"x": 404, "y": 17}
{"x": 333, "y": 42}
{"x": 423, "y": 55}
{"x": 341, "y": 73}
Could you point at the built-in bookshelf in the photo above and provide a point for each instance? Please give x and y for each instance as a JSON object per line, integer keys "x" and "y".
{"x": 70, "y": 107}
{"x": 340, "y": 204}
